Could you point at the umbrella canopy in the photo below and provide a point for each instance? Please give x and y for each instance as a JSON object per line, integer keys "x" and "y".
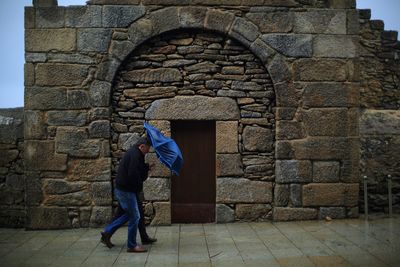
{"x": 166, "y": 149}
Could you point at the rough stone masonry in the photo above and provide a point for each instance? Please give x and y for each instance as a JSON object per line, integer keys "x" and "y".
{"x": 305, "y": 96}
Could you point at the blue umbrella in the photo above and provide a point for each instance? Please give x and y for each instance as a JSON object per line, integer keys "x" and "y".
{"x": 166, "y": 149}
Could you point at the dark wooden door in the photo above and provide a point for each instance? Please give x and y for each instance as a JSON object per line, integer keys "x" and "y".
{"x": 193, "y": 191}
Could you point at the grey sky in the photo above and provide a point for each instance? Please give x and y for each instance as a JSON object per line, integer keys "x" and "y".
{"x": 12, "y": 43}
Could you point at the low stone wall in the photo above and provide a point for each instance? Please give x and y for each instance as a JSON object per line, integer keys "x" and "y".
{"x": 12, "y": 179}
{"x": 380, "y": 116}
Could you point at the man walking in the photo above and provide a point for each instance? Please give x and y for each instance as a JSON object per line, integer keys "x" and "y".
{"x": 131, "y": 173}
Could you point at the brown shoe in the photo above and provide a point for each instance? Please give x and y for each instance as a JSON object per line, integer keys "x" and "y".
{"x": 106, "y": 239}
{"x": 137, "y": 249}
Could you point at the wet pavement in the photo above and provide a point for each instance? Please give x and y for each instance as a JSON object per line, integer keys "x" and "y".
{"x": 305, "y": 243}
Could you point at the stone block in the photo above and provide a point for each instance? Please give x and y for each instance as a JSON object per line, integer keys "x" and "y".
{"x": 33, "y": 189}
{"x": 281, "y": 195}
{"x": 156, "y": 189}
{"x": 218, "y": 20}
{"x": 262, "y": 50}
{"x": 326, "y": 121}
{"x": 321, "y": 70}
{"x": 126, "y": 140}
{"x": 287, "y": 95}
{"x": 140, "y": 31}
{"x": 165, "y": 19}
{"x": 253, "y": 212}
{"x": 60, "y": 74}
{"x": 44, "y": 3}
{"x": 89, "y": 170}
{"x": 342, "y": 3}
{"x": 35, "y": 57}
{"x": 192, "y": 17}
{"x": 45, "y": 40}
{"x": 78, "y": 99}
{"x": 162, "y": 213}
{"x": 76, "y": 143}
{"x": 121, "y": 49}
{"x": 157, "y": 169}
{"x": 100, "y": 129}
{"x": 320, "y": 21}
{"x": 353, "y": 24}
{"x": 29, "y": 74}
{"x": 15, "y": 182}
{"x": 29, "y": 17}
{"x": 288, "y": 130}
{"x": 81, "y": 198}
{"x": 295, "y": 195}
{"x": 326, "y": 171}
{"x": 151, "y": 92}
{"x": 118, "y": 16}
{"x": 239, "y": 190}
{"x": 7, "y": 156}
{"x": 101, "y": 193}
{"x": 50, "y": 17}
{"x": 153, "y": 75}
{"x": 193, "y": 108}
{"x": 226, "y": 137}
{"x": 93, "y": 40}
{"x": 41, "y": 155}
{"x": 47, "y": 218}
{"x": 100, "y": 94}
{"x": 83, "y": 16}
{"x": 279, "y": 69}
{"x": 380, "y": 122}
{"x": 335, "y": 46}
{"x": 229, "y": 165}
{"x": 61, "y": 186}
{"x": 99, "y": 114}
{"x": 66, "y": 118}
{"x": 293, "y": 171}
{"x": 294, "y": 214}
{"x": 163, "y": 126}
{"x": 332, "y": 212}
{"x": 100, "y": 216}
{"x": 13, "y": 218}
{"x": 245, "y": 28}
{"x": 225, "y": 214}
{"x": 256, "y": 138}
{"x": 331, "y": 95}
{"x": 269, "y": 22}
{"x": 291, "y": 45}
{"x": 331, "y": 194}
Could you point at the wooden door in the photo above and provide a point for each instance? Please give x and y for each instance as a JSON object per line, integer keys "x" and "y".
{"x": 193, "y": 191}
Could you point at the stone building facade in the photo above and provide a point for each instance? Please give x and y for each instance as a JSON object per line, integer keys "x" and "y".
{"x": 284, "y": 81}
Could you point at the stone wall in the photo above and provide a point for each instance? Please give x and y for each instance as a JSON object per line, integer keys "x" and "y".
{"x": 380, "y": 115}
{"x": 12, "y": 179}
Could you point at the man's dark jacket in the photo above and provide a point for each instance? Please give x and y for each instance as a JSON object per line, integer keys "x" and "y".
{"x": 132, "y": 171}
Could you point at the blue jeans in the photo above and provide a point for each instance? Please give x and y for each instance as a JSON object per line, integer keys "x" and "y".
{"x": 128, "y": 202}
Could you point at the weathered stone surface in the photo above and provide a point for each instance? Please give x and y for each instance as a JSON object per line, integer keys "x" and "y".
{"x": 262, "y": 50}
{"x": 326, "y": 171}
{"x": 253, "y": 212}
{"x": 203, "y": 67}
{"x": 33, "y": 189}
{"x": 50, "y": 39}
{"x": 335, "y": 46}
{"x": 330, "y": 95}
{"x": 99, "y": 129}
{"x": 75, "y": 142}
{"x": 157, "y": 169}
{"x": 100, "y": 216}
{"x": 332, "y": 194}
{"x": 320, "y": 21}
{"x": 156, "y": 189}
{"x": 326, "y": 121}
{"x": 320, "y": 70}
{"x": 288, "y": 130}
{"x": 36, "y": 151}
{"x": 49, "y": 17}
{"x": 246, "y": 86}
{"x": 29, "y": 74}
{"x": 292, "y": 45}
{"x": 66, "y": 118}
{"x": 332, "y": 212}
{"x": 7, "y": 156}
{"x": 83, "y": 16}
{"x": 60, "y": 74}
{"x": 224, "y": 214}
{"x": 237, "y": 190}
{"x": 93, "y": 40}
{"x": 380, "y": 122}
{"x": 269, "y": 22}
{"x": 162, "y": 213}
{"x": 153, "y": 75}
{"x": 293, "y": 171}
{"x": 15, "y": 182}
{"x": 35, "y": 126}
{"x": 257, "y": 139}
{"x": 89, "y": 170}
{"x": 47, "y": 218}
{"x": 126, "y": 140}
{"x": 295, "y": 195}
{"x": 279, "y": 69}
{"x": 281, "y": 195}
{"x": 229, "y": 165}
{"x": 165, "y": 19}
{"x": 150, "y": 92}
{"x": 173, "y": 63}
{"x": 163, "y": 126}
{"x": 100, "y": 94}
{"x": 115, "y": 16}
{"x": 341, "y": 3}
{"x": 101, "y": 193}
{"x": 58, "y": 186}
{"x": 77, "y": 99}
{"x": 294, "y": 214}
{"x": 13, "y": 217}
{"x": 81, "y": 198}
{"x": 192, "y": 16}
{"x": 45, "y": 98}
{"x": 245, "y": 28}
{"x": 226, "y": 137}
{"x": 193, "y": 108}
{"x": 218, "y": 20}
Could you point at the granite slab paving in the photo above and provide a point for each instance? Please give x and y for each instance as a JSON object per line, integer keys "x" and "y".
{"x": 349, "y": 242}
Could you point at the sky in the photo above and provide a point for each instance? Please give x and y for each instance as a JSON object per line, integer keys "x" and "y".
{"x": 12, "y": 43}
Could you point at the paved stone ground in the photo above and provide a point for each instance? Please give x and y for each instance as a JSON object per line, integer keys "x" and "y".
{"x": 307, "y": 243}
